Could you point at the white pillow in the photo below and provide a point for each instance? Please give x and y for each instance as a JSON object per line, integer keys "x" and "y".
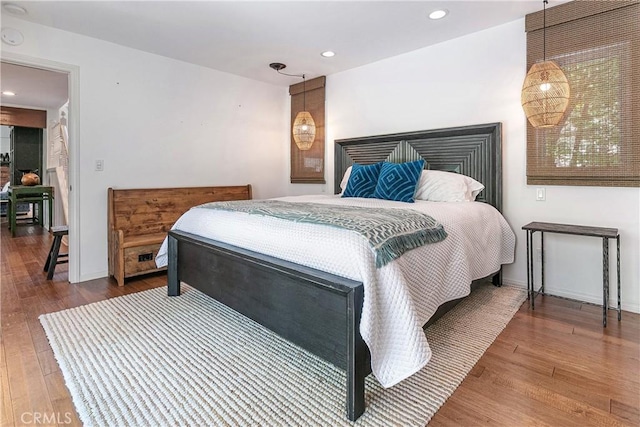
{"x": 345, "y": 179}
{"x": 441, "y": 186}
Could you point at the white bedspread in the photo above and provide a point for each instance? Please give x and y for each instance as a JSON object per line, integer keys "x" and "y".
{"x": 400, "y": 297}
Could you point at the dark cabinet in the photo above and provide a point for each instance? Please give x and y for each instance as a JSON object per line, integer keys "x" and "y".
{"x": 26, "y": 153}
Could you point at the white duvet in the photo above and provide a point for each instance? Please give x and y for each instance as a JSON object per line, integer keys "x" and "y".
{"x": 400, "y": 297}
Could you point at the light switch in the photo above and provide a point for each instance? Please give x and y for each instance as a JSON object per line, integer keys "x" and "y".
{"x": 541, "y": 194}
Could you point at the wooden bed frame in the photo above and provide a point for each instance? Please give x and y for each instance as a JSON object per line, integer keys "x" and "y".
{"x": 316, "y": 310}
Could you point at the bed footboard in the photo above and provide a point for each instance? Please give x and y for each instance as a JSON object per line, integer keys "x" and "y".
{"x": 318, "y": 311}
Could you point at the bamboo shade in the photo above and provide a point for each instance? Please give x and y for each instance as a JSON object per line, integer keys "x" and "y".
{"x": 597, "y": 143}
{"x": 307, "y": 166}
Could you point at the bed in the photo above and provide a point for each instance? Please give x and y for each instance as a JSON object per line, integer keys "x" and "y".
{"x": 321, "y": 309}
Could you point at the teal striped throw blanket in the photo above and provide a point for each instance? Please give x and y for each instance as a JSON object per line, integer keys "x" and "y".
{"x": 390, "y": 232}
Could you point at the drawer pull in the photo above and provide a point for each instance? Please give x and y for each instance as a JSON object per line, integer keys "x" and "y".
{"x": 145, "y": 257}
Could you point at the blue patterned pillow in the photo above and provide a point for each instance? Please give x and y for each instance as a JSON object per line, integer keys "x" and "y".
{"x": 362, "y": 181}
{"x": 398, "y": 181}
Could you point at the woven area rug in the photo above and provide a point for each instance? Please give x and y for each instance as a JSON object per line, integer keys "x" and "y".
{"x": 149, "y": 360}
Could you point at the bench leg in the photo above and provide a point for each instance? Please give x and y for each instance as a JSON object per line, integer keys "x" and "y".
{"x": 52, "y": 260}
{"x": 118, "y": 262}
{"x": 120, "y": 276}
{"x": 48, "y": 263}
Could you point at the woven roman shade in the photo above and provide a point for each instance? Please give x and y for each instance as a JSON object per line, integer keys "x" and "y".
{"x": 307, "y": 166}
{"x": 597, "y": 142}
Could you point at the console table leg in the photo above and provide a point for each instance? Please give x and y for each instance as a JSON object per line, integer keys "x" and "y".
{"x": 40, "y": 213}
{"x": 542, "y": 262}
{"x": 618, "y": 275}
{"x": 528, "y": 266}
{"x": 605, "y": 279}
{"x": 12, "y": 215}
{"x": 51, "y": 204}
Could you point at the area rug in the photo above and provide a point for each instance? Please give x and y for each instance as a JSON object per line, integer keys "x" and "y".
{"x": 149, "y": 360}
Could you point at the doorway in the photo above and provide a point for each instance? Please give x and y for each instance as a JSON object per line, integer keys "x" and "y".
{"x": 52, "y": 87}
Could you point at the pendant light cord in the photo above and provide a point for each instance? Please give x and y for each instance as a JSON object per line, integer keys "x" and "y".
{"x": 304, "y": 87}
{"x": 544, "y": 29}
{"x": 279, "y": 66}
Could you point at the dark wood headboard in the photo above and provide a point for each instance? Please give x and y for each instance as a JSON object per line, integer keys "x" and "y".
{"x": 475, "y": 151}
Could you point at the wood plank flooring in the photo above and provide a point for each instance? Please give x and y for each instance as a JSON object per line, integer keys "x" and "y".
{"x": 555, "y": 366}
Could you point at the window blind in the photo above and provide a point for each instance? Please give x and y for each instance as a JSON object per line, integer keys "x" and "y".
{"x": 597, "y": 45}
{"x": 308, "y": 166}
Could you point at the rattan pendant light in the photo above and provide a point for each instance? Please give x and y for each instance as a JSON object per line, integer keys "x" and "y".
{"x": 545, "y": 91}
{"x": 304, "y": 127}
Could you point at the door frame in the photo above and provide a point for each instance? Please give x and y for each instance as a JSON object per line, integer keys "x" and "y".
{"x": 73, "y": 126}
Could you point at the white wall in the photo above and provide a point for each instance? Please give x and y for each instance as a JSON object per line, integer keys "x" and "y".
{"x": 158, "y": 122}
{"x": 477, "y": 79}
{"x": 5, "y": 139}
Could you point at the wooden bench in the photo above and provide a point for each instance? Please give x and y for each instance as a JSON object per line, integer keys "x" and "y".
{"x": 140, "y": 218}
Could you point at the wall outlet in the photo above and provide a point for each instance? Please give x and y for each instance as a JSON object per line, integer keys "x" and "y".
{"x": 99, "y": 165}
{"x": 541, "y": 194}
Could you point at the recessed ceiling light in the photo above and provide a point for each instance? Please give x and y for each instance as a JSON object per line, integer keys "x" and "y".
{"x": 328, "y": 54}
{"x": 8, "y": 93}
{"x": 438, "y": 14}
{"x": 14, "y": 9}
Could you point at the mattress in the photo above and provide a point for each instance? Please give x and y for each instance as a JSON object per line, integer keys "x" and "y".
{"x": 400, "y": 297}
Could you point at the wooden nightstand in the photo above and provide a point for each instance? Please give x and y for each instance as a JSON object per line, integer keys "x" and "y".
{"x": 580, "y": 230}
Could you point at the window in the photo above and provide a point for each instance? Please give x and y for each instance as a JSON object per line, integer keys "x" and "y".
{"x": 598, "y": 141}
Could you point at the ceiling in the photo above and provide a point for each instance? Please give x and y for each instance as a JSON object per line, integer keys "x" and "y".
{"x": 33, "y": 87}
{"x": 243, "y": 37}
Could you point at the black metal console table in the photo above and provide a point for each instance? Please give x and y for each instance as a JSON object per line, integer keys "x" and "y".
{"x": 580, "y": 230}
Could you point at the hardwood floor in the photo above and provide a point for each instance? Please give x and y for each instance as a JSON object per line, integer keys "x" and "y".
{"x": 32, "y": 387}
{"x": 554, "y": 366}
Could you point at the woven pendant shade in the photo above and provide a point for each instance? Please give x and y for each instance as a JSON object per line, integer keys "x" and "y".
{"x": 545, "y": 94}
{"x": 304, "y": 130}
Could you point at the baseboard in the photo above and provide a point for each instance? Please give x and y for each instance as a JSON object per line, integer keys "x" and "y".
{"x": 515, "y": 283}
{"x": 591, "y": 299}
{"x": 93, "y": 276}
